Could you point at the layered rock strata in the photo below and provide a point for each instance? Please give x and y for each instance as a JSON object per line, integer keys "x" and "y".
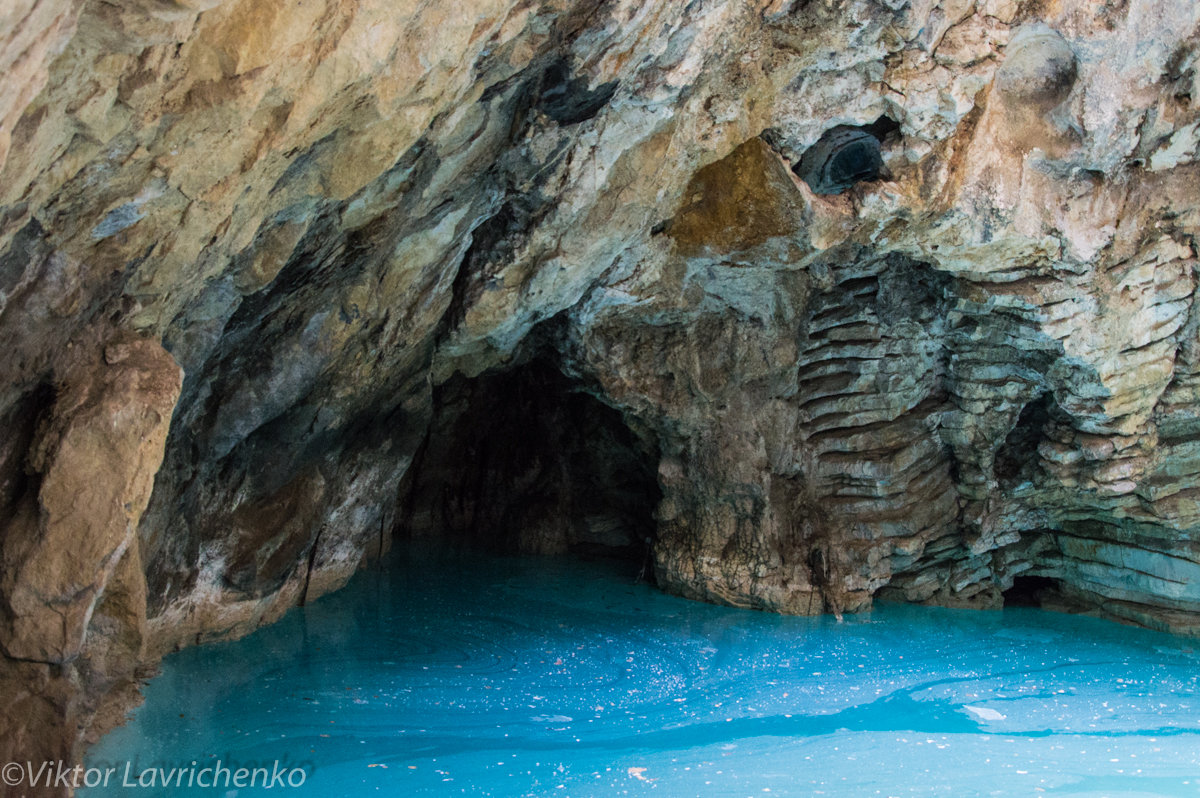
{"x": 269, "y": 271}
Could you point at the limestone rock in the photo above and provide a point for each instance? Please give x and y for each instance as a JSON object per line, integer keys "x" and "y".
{"x": 93, "y": 462}
{"x": 375, "y": 235}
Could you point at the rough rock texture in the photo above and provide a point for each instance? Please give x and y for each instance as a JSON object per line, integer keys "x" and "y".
{"x": 73, "y": 587}
{"x": 357, "y": 226}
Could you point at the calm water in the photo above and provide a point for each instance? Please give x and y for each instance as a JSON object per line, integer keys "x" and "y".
{"x": 546, "y": 677}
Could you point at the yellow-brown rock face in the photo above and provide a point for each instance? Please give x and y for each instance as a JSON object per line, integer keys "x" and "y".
{"x": 379, "y": 237}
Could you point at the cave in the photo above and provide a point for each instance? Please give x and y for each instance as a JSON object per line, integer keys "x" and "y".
{"x": 527, "y": 461}
{"x": 846, "y": 155}
{"x": 1030, "y": 591}
{"x": 534, "y": 398}
{"x": 1017, "y": 458}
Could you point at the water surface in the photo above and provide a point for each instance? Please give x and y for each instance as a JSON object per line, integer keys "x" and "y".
{"x": 546, "y": 677}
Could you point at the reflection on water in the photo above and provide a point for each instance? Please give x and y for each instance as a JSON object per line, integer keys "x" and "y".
{"x": 511, "y": 677}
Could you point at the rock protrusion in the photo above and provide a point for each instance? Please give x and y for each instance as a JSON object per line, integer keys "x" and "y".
{"x": 94, "y": 457}
{"x": 1033, "y": 83}
{"x": 1039, "y": 68}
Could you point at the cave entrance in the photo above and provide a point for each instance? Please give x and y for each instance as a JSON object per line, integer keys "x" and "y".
{"x": 528, "y": 461}
{"x": 1017, "y": 458}
{"x": 845, "y": 155}
{"x": 1030, "y": 591}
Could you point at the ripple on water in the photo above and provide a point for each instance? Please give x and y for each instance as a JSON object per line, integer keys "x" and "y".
{"x": 536, "y": 677}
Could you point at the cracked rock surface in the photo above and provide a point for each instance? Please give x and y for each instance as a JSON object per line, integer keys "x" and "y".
{"x": 278, "y": 280}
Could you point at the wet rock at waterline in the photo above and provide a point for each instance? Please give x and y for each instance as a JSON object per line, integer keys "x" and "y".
{"x": 371, "y": 233}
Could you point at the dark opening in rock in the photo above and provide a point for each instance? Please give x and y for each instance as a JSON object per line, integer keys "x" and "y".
{"x": 566, "y": 99}
{"x": 18, "y": 479}
{"x": 884, "y": 128}
{"x": 1030, "y": 591}
{"x": 1017, "y": 458}
{"x": 845, "y": 155}
{"x": 27, "y": 245}
{"x": 527, "y": 461}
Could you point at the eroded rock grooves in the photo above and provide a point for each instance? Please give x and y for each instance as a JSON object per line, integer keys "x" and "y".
{"x": 265, "y": 268}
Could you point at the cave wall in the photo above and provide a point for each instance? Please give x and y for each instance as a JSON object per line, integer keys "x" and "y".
{"x": 257, "y": 259}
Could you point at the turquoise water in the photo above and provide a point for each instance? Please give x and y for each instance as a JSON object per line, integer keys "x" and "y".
{"x": 545, "y": 677}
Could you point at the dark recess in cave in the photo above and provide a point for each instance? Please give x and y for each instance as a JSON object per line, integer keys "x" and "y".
{"x": 18, "y": 479}
{"x": 884, "y": 128}
{"x": 1030, "y": 591}
{"x": 1017, "y": 458}
{"x": 526, "y": 461}
{"x": 846, "y": 155}
{"x": 566, "y": 99}
{"x": 24, "y": 248}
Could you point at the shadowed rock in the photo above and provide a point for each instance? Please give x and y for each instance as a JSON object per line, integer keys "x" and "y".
{"x": 843, "y": 156}
{"x": 568, "y": 100}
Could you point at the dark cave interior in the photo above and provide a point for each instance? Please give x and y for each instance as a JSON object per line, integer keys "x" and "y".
{"x": 526, "y": 461}
{"x": 1030, "y": 591}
